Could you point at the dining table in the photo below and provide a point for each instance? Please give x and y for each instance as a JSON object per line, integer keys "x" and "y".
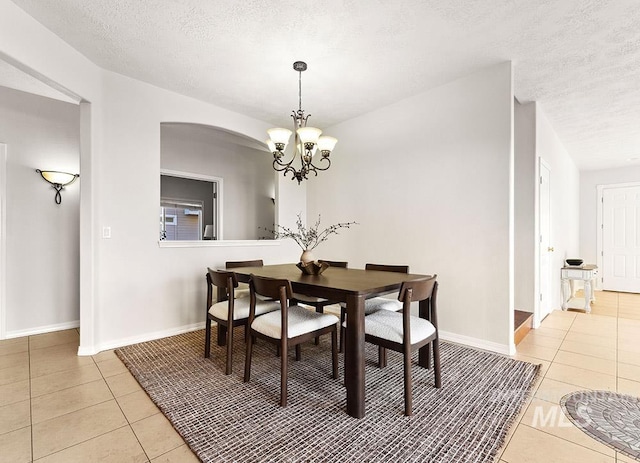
{"x": 351, "y": 286}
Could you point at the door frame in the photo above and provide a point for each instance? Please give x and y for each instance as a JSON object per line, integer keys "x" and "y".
{"x": 3, "y": 240}
{"x": 600, "y": 224}
{"x": 537, "y": 317}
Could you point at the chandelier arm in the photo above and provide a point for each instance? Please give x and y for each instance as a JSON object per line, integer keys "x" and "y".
{"x": 283, "y": 166}
{"x": 292, "y": 170}
{"x": 321, "y": 168}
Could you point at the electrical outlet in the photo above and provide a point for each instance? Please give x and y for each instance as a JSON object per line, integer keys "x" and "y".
{"x": 106, "y": 233}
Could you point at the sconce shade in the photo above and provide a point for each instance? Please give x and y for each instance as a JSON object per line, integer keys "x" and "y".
{"x": 59, "y": 180}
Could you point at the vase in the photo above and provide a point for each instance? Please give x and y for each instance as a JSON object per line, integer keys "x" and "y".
{"x": 306, "y": 256}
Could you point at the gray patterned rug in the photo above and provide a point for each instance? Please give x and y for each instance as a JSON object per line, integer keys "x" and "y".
{"x": 608, "y": 417}
{"x": 225, "y": 420}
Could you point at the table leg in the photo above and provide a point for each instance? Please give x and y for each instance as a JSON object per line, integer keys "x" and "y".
{"x": 354, "y": 357}
{"x": 565, "y": 296}
{"x": 587, "y": 295}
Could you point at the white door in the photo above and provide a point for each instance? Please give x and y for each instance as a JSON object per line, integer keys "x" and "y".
{"x": 545, "y": 251}
{"x": 621, "y": 239}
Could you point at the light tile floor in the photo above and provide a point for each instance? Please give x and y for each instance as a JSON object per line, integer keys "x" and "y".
{"x": 58, "y": 407}
{"x": 578, "y": 351}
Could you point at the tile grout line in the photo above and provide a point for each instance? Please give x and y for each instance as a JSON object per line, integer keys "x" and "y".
{"x": 121, "y": 410}
{"x": 30, "y": 397}
{"x": 520, "y": 422}
{"x": 545, "y": 375}
{"x": 74, "y": 411}
{"x": 569, "y": 441}
{"x": 533, "y": 393}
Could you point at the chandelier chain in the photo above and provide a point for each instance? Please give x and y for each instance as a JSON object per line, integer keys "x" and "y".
{"x": 300, "y": 91}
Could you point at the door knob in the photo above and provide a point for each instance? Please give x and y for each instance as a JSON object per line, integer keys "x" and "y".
{"x": 550, "y": 249}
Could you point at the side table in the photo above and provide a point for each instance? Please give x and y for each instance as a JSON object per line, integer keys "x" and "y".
{"x": 568, "y": 275}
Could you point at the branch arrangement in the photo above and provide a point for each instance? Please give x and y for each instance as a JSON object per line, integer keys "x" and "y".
{"x": 308, "y": 238}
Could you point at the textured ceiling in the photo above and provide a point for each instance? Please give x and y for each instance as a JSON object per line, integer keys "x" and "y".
{"x": 580, "y": 59}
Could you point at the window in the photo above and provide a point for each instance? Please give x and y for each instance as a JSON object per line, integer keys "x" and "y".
{"x": 180, "y": 220}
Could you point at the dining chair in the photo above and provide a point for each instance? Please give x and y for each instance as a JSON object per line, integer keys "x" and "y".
{"x": 318, "y": 302}
{"x": 230, "y": 312}
{"x": 375, "y": 303}
{"x": 289, "y": 326}
{"x": 405, "y": 333}
{"x": 243, "y": 288}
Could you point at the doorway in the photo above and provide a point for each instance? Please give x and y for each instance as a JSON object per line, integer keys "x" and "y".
{"x": 619, "y": 240}
{"x": 545, "y": 249}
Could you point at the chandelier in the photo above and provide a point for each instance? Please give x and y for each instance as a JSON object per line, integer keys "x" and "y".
{"x": 307, "y": 141}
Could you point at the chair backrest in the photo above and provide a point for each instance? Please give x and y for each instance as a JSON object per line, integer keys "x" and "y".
{"x": 270, "y": 287}
{"x": 413, "y": 291}
{"x": 335, "y": 263}
{"x": 222, "y": 279}
{"x": 388, "y": 268}
{"x": 244, "y": 263}
{"x": 226, "y": 282}
{"x": 418, "y": 290}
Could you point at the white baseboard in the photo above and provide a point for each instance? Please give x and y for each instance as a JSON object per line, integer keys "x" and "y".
{"x": 43, "y": 329}
{"x": 503, "y": 349}
{"x": 114, "y": 344}
{"x": 444, "y": 335}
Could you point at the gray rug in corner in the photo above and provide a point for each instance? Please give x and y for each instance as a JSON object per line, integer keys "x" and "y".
{"x": 608, "y": 417}
{"x": 225, "y": 420}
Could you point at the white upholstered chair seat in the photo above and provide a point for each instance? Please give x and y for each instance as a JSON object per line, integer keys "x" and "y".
{"x": 388, "y": 325}
{"x": 304, "y": 298}
{"x": 220, "y": 310}
{"x": 241, "y": 291}
{"x": 378, "y": 303}
{"x": 300, "y": 321}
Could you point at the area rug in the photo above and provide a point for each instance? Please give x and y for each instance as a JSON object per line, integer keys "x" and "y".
{"x": 224, "y": 419}
{"x": 610, "y": 418}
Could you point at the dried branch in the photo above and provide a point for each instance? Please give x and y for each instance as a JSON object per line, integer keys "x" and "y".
{"x": 308, "y": 238}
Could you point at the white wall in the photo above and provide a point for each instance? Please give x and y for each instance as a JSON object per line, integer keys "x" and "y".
{"x": 429, "y": 181}
{"x": 565, "y": 209}
{"x": 42, "y": 259}
{"x": 156, "y": 290}
{"x": 589, "y": 181}
{"x": 525, "y": 201}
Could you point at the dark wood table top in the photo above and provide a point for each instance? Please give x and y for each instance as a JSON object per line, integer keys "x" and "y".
{"x": 334, "y": 282}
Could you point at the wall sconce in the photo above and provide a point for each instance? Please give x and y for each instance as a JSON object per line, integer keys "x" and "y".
{"x": 58, "y": 180}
